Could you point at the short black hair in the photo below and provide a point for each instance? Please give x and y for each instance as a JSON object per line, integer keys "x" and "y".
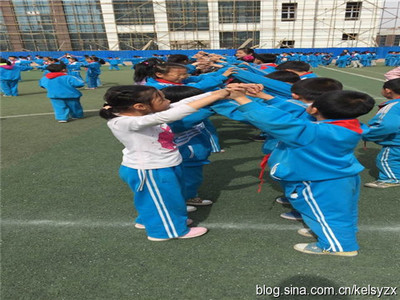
{"x": 56, "y": 67}
{"x": 178, "y": 58}
{"x": 285, "y": 76}
{"x": 393, "y": 84}
{"x": 343, "y": 104}
{"x": 309, "y": 89}
{"x": 299, "y": 66}
{"x": 177, "y": 93}
{"x": 265, "y": 57}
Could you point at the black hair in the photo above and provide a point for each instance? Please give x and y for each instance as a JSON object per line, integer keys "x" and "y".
{"x": 309, "y": 89}
{"x": 285, "y": 76}
{"x": 343, "y": 104}
{"x": 248, "y": 51}
{"x": 265, "y": 57}
{"x": 56, "y": 67}
{"x": 145, "y": 69}
{"x": 5, "y": 61}
{"x": 177, "y": 93}
{"x": 178, "y": 58}
{"x": 393, "y": 84}
{"x": 299, "y": 66}
{"x": 122, "y": 97}
{"x": 164, "y": 68}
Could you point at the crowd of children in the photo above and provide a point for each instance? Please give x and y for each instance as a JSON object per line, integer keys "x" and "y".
{"x": 162, "y": 120}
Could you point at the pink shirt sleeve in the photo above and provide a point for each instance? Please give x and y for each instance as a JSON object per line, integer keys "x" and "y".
{"x": 392, "y": 74}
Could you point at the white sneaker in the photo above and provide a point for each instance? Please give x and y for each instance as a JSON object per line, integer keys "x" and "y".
{"x": 190, "y": 208}
{"x": 306, "y": 232}
{"x": 198, "y": 201}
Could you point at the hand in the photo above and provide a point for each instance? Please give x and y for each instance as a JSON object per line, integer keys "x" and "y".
{"x": 229, "y": 72}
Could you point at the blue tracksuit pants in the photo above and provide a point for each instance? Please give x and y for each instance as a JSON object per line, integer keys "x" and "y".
{"x": 388, "y": 163}
{"x": 330, "y": 209}
{"x": 159, "y": 200}
{"x": 193, "y": 179}
{"x": 66, "y": 108}
{"x": 9, "y": 87}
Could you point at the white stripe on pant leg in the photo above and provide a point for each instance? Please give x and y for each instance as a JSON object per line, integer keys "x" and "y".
{"x": 319, "y": 221}
{"x": 340, "y": 248}
{"x": 159, "y": 209}
{"x": 384, "y": 161}
{"x": 214, "y": 145}
{"x": 163, "y": 204}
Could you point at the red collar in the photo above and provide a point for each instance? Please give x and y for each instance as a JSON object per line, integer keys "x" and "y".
{"x": 169, "y": 82}
{"x": 352, "y": 124}
{"x": 306, "y": 73}
{"x": 55, "y": 75}
{"x": 383, "y": 104}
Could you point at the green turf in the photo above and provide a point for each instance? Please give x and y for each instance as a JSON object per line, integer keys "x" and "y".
{"x": 67, "y": 218}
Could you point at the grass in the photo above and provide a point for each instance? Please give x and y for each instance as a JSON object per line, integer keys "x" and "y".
{"x": 67, "y": 219}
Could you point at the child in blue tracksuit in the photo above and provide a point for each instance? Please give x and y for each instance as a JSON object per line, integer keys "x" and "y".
{"x": 168, "y": 74}
{"x": 301, "y": 68}
{"x": 10, "y": 74}
{"x": 113, "y": 63}
{"x": 315, "y": 163}
{"x": 193, "y": 142}
{"x": 63, "y": 93}
{"x": 74, "y": 67}
{"x": 93, "y": 72}
{"x": 304, "y": 93}
{"x": 384, "y": 129}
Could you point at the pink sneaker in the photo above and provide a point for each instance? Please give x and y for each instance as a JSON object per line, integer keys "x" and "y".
{"x": 141, "y": 226}
{"x": 194, "y": 232}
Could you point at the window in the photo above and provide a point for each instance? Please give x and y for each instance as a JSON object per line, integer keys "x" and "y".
{"x": 85, "y": 24}
{"x": 381, "y": 40}
{"x": 287, "y": 44}
{"x": 35, "y": 23}
{"x": 353, "y": 10}
{"x": 349, "y": 36}
{"x": 232, "y": 40}
{"x": 396, "y": 40}
{"x": 189, "y": 45}
{"x": 133, "y": 12}
{"x": 187, "y": 15}
{"x": 4, "y": 36}
{"x": 289, "y": 12}
{"x": 136, "y": 41}
{"x": 238, "y": 11}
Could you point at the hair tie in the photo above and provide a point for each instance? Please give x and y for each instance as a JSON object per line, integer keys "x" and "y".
{"x": 146, "y": 63}
{"x": 107, "y": 107}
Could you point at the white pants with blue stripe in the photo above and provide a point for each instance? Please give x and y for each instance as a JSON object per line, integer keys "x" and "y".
{"x": 388, "y": 163}
{"x": 330, "y": 209}
{"x": 159, "y": 200}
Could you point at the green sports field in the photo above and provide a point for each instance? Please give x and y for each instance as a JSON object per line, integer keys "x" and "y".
{"x": 67, "y": 219}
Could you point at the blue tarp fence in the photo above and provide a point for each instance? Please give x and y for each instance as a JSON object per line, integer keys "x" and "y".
{"x": 380, "y": 51}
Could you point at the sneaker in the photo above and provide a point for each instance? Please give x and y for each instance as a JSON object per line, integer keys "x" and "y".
{"x": 381, "y": 184}
{"x": 141, "y": 226}
{"x": 198, "y": 201}
{"x": 62, "y": 121}
{"x": 312, "y": 248}
{"x": 193, "y": 232}
{"x": 190, "y": 208}
{"x": 306, "y": 232}
{"x": 292, "y": 215}
{"x": 258, "y": 138}
{"x": 282, "y": 200}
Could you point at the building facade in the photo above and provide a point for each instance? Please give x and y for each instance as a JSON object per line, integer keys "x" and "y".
{"x": 64, "y": 25}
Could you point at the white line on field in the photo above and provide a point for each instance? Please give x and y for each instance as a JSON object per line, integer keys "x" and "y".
{"x": 235, "y": 226}
{"x": 372, "y": 78}
{"x": 39, "y": 114}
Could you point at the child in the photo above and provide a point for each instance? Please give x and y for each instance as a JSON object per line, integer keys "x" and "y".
{"x": 193, "y": 142}
{"x": 299, "y": 67}
{"x": 93, "y": 71}
{"x": 385, "y": 131}
{"x": 74, "y": 67}
{"x": 151, "y": 164}
{"x": 63, "y": 93}
{"x": 315, "y": 163}
{"x": 10, "y": 74}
